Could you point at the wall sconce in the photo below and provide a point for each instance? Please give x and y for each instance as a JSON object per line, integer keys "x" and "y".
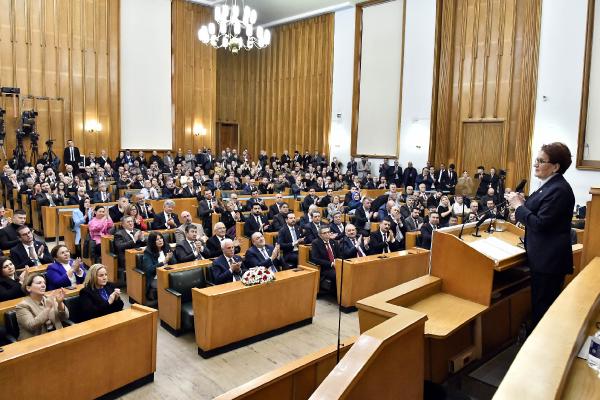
{"x": 93, "y": 126}
{"x": 199, "y": 130}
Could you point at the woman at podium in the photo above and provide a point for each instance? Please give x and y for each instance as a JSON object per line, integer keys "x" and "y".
{"x": 546, "y": 215}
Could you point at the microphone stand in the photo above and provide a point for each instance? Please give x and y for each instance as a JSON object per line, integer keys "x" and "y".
{"x": 337, "y": 353}
{"x": 464, "y": 219}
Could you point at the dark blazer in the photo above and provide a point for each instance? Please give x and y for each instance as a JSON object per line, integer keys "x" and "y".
{"x": 251, "y": 226}
{"x": 273, "y": 210}
{"x": 9, "y": 237}
{"x": 426, "y": 235}
{"x": 145, "y": 212}
{"x": 547, "y": 215}
{"x": 284, "y": 238}
{"x": 411, "y": 224}
{"x": 377, "y": 245}
{"x": 114, "y": 213}
{"x": 42, "y": 200}
{"x": 10, "y": 289}
{"x": 228, "y": 219}
{"x": 311, "y": 232}
{"x": 360, "y": 220}
{"x": 307, "y": 202}
{"x": 98, "y": 198}
{"x": 123, "y": 242}
{"x": 213, "y": 247}
{"x": 161, "y": 223}
{"x": 150, "y": 263}
{"x": 20, "y": 257}
{"x": 185, "y": 253}
{"x": 336, "y": 229}
{"x": 348, "y": 250}
{"x": 220, "y": 270}
{"x": 204, "y": 212}
{"x": 254, "y": 258}
{"x": 277, "y": 223}
{"x": 318, "y": 253}
{"x": 74, "y": 200}
{"x": 92, "y": 305}
{"x": 56, "y": 276}
{"x": 67, "y": 157}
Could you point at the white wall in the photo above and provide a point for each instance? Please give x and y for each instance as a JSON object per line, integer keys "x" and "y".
{"x": 560, "y": 76}
{"x": 417, "y": 83}
{"x": 146, "y": 119}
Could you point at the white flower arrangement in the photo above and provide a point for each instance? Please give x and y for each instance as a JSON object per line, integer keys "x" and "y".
{"x": 257, "y": 276}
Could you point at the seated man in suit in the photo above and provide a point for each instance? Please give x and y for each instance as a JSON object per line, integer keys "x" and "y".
{"x": 214, "y": 243}
{"x": 311, "y": 229}
{"x": 128, "y": 237}
{"x": 166, "y": 219}
{"x": 102, "y": 195}
{"x": 29, "y": 252}
{"x": 8, "y": 235}
{"x": 78, "y": 197}
{"x": 144, "y": 209}
{"x": 323, "y": 252}
{"x": 279, "y": 219}
{"x": 289, "y": 237}
{"x": 256, "y": 222}
{"x": 427, "y": 230}
{"x": 255, "y": 200}
{"x": 383, "y": 240}
{"x": 262, "y": 254}
{"x": 337, "y": 226}
{"x": 192, "y": 247}
{"x": 414, "y": 221}
{"x": 490, "y": 195}
{"x": 228, "y": 267}
{"x": 309, "y": 200}
{"x": 117, "y": 211}
{"x": 275, "y": 208}
{"x": 186, "y": 219}
{"x": 352, "y": 245}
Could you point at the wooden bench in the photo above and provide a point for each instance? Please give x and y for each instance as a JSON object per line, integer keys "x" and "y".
{"x": 91, "y": 346}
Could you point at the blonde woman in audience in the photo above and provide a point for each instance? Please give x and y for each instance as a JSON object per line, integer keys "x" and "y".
{"x": 98, "y": 297}
{"x": 39, "y": 312}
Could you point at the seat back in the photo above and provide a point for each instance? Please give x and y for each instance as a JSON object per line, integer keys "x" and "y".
{"x": 184, "y": 281}
{"x": 72, "y": 304}
{"x": 138, "y": 261}
{"x": 11, "y": 324}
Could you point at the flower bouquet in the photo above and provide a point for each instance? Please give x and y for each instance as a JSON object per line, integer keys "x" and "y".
{"x": 257, "y": 276}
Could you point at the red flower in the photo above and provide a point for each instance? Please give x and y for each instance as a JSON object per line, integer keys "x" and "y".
{"x": 264, "y": 278}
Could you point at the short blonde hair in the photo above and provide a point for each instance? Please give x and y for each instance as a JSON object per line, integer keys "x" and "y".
{"x": 92, "y": 275}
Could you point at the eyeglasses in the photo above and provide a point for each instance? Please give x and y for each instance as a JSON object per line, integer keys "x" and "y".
{"x": 539, "y": 161}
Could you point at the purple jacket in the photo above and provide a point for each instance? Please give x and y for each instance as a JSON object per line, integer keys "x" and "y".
{"x": 56, "y": 276}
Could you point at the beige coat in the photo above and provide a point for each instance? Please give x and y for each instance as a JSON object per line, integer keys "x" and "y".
{"x": 32, "y": 317}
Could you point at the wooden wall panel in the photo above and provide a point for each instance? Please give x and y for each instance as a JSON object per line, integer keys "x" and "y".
{"x": 281, "y": 96}
{"x": 194, "y": 77}
{"x": 64, "y": 56}
{"x": 486, "y": 60}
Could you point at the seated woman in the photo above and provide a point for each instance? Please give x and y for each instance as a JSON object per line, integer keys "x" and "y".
{"x": 138, "y": 220}
{"x": 10, "y": 282}
{"x": 81, "y": 215}
{"x": 40, "y": 313}
{"x": 100, "y": 225}
{"x": 64, "y": 271}
{"x": 157, "y": 254}
{"x": 98, "y": 297}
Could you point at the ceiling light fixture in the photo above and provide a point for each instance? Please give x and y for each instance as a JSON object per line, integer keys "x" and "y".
{"x": 232, "y": 33}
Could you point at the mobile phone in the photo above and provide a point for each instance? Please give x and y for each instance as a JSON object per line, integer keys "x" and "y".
{"x": 168, "y": 268}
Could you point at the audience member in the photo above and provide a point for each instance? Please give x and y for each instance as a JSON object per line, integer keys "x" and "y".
{"x": 29, "y": 252}
{"x": 228, "y": 267}
{"x": 98, "y": 297}
{"x": 157, "y": 254}
{"x": 64, "y": 271}
{"x": 192, "y": 248}
{"x": 262, "y": 254}
{"x": 10, "y": 281}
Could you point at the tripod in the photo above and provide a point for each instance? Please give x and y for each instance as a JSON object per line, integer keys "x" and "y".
{"x": 34, "y": 156}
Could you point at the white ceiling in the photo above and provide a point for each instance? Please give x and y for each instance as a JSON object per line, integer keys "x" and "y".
{"x": 275, "y": 12}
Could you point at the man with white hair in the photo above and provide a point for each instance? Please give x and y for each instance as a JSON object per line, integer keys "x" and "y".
{"x": 228, "y": 267}
{"x": 166, "y": 219}
{"x": 186, "y": 219}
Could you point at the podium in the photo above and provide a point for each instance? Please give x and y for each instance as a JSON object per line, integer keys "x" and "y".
{"x": 476, "y": 297}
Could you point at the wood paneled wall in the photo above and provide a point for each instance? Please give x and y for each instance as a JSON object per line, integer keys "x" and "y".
{"x": 281, "y": 96}
{"x": 64, "y": 56}
{"x": 486, "y": 72}
{"x": 194, "y": 77}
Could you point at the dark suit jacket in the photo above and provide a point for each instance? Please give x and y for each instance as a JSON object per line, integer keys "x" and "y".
{"x": 124, "y": 242}
{"x": 98, "y": 198}
{"x": 220, "y": 270}
{"x": 67, "y": 156}
{"x": 20, "y": 257}
{"x": 340, "y": 231}
{"x": 426, "y": 235}
{"x": 160, "y": 222}
{"x": 284, "y": 238}
{"x": 185, "y": 253}
{"x": 273, "y": 210}
{"x": 318, "y": 253}
{"x": 360, "y": 219}
{"x": 9, "y": 237}
{"x": 92, "y": 305}
{"x": 251, "y": 226}
{"x": 147, "y": 213}
{"x": 311, "y": 232}
{"x": 74, "y": 200}
{"x": 547, "y": 215}
{"x": 204, "y": 212}
{"x": 348, "y": 250}
{"x": 254, "y": 258}
{"x": 377, "y": 245}
{"x": 10, "y": 289}
{"x": 114, "y": 213}
{"x": 213, "y": 247}
{"x": 277, "y": 223}
{"x": 307, "y": 202}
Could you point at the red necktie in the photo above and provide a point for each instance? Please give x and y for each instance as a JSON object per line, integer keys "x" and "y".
{"x": 329, "y": 252}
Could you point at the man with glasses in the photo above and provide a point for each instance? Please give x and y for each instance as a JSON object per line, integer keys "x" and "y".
{"x": 262, "y": 254}
{"x": 323, "y": 252}
{"x": 29, "y": 252}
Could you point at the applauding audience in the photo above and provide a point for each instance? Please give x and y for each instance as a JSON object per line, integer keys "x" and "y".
{"x": 98, "y": 296}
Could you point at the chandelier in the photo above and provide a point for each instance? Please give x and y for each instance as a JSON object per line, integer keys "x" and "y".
{"x": 232, "y": 33}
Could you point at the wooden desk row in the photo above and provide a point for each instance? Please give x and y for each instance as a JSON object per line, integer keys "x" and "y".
{"x": 117, "y": 351}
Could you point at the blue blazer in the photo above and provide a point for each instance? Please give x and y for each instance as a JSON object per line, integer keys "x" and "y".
{"x": 254, "y": 258}
{"x": 220, "y": 270}
{"x": 56, "y": 276}
{"x": 547, "y": 215}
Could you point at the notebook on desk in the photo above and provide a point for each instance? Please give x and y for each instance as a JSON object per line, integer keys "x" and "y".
{"x": 496, "y": 249}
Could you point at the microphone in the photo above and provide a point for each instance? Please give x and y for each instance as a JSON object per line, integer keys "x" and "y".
{"x": 521, "y": 186}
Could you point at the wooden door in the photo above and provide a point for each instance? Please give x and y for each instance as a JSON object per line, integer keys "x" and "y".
{"x": 227, "y": 136}
{"x": 482, "y": 145}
